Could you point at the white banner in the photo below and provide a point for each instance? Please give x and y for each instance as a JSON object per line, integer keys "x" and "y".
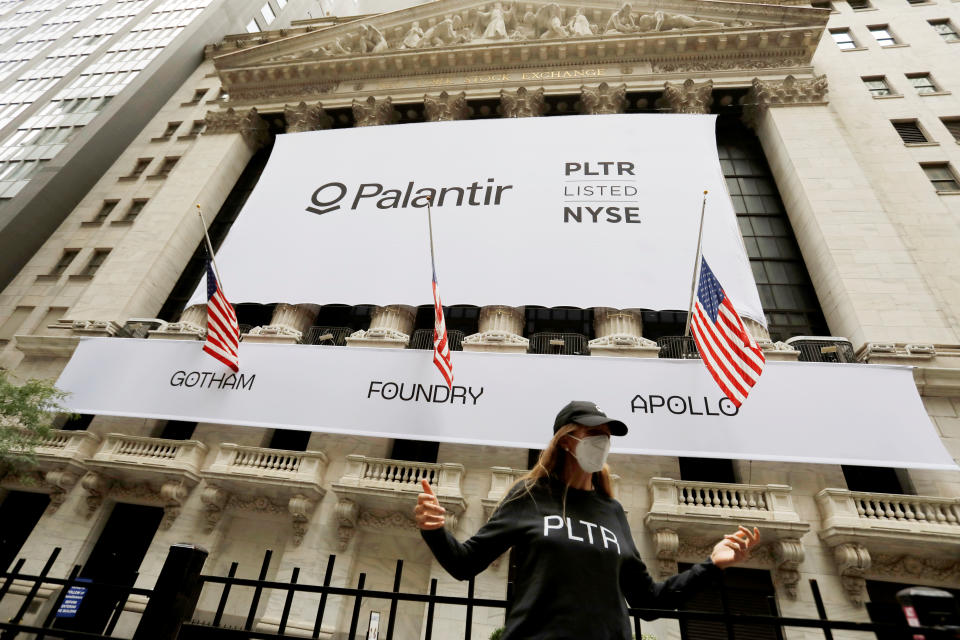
{"x": 801, "y": 412}
{"x": 582, "y": 211}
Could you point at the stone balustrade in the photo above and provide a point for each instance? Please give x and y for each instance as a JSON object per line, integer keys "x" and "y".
{"x": 381, "y": 493}
{"x": 869, "y": 531}
{"x": 255, "y": 478}
{"x": 890, "y": 518}
{"x": 688, "y": 518}
{"x": 125, "y": 451}
{"x": 501, "y": 479}
{"x": 67, "y": 445}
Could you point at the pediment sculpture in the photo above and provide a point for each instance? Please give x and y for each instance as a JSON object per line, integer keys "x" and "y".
{"x": 502, "y": 22}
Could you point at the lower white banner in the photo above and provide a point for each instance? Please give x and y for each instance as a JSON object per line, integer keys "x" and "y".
{"x": 800, "y": 412}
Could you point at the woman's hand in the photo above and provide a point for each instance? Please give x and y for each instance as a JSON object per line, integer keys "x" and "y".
{"x": 734, "y": 547}
{"x": 428, "y": 513}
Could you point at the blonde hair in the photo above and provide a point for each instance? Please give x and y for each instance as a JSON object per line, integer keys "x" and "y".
{"x": 552, "y": 462}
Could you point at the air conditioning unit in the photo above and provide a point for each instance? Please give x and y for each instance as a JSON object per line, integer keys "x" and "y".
{"x": 823, "y": 348}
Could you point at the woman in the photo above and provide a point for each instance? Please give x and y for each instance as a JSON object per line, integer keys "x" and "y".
{"x": 576, "y": 560}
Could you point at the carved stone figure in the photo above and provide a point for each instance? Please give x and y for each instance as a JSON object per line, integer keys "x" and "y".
{"x": 688, "y": 97}
{"x": 603, "y": 99}
{"x": 497, "y": 19}
{"x": 667, "y": 21}
{"x": 579, "y": 25}
{"x": 549, "y": 22}
{"x": 340, "y": 47}
{"x": 445, "y": 32}
{"x": 371, "y": 40}
{"x": 621, "y": 21}
{"x": 413, "y": 37}
{"x": 372, "y": 112}
{"x": 446, "y": 107}
{"x": 527, "y": 28}
{"x": 522, "y": 103}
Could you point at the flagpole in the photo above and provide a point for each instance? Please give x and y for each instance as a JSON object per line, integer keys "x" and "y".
{"x": 433, "y": 263}
{"x": 206, "y": 236}
{"x": 696, "y": 265}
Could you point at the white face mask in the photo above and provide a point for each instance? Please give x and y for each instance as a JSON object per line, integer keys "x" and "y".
{"x": 591, "y": 452}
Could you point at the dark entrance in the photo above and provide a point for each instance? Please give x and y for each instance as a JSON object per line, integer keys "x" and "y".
{"x": 114, "y": 561}
{"x": 19, "y": 513}
{"x": 748, "y": 591}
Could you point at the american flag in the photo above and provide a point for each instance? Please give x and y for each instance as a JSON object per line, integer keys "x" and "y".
{"x": 730, "y": 353}
{"x": 223, "y": 332}
{"x": 441, "y": 348}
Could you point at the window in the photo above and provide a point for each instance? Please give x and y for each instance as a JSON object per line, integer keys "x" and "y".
{"x": 171, "y": 129}
{"x": 281, "y": 3}
{"x": 135, "y": 208}
{"x": 877, "y": 86}
{"x": 882, "y": 34}
{"x": 9, "y": 328}
{"x": 140, "y": 167}
{"x": 166, "y": 167}
{"x": 197, "y": 96}
{"x": 707, "y": 470}
{"x": 105, "y": 210}
{"x": 909, "y": 131}
{"x": 252, "y": 27}
{"x": 876, "y": 479}
{"x": 78, "y": 422}
{"x": 946, "y": 30}
{"x": 177, "y": 430}
{"x": 843, "y": 38}
{"x": 65, "y": 259}
{"x": 99, "y": 255}
{"x": 822, "y": 4}
{"x": 746, "y": 591}
{"x": 289, "y": 440}
{"x": 918, "y": 1}
{"x": 859, "y": 5}
{"x": 923, "y": 83}
{"x": 198, "y": 127}
{"x": 267, "y": 12}
{"x": 941, "y": 177}
{"x": 414, "y": 450}
{"x": 953, "y": 126}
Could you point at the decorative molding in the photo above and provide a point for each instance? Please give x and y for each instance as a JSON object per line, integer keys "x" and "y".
{"x": 248, "y": 124}
{"x": 912, "y": 568}
{"x": 214, "y": 501}
{"x": 391, "y": 520}
{"x": 304, "y": 117}
{"x": 778, "y": 93}
{"x": 667, "y": 543}
{"x": 372, "y": 112}
{"x": 688, "y": 97}
{"x": 603, "y": 99}
{"x": 788, "y": 554}
{"x": 446, "y": 107}
{"x": 170, "y": 495}
{"x": 346, "y": 512}
{"x": 853, "y": 561}
{"x": 522, "y": 103}
{"x": 698, "y": 65}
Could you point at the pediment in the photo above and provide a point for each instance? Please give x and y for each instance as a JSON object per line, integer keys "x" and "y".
{"x": 466, "y": 35}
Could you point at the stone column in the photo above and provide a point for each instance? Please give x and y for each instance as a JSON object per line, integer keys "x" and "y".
{"x": 688, "y": 97}
{"x": 390, "y": 327}
{"x": 446, "y": 107}
{"x": 289, "y": 324}
{"x": 835, "y": 211}
{"x": 190, "y": 326}
{"x": 522, "y": 103}
{"x": 304, "y": 117}
{"x": 501, "y": 329}
{"x": 620, "y": 333}
{"x": 603, "y": 99}
{"x": 138, "y": 276}
{"x": 372, "y": 112}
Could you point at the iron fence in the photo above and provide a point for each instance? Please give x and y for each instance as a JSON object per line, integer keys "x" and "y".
{"x": 171, "y": 606}
{"x": 830, "y": 350}
{"x": 565, "y": 344}
{"x": 423, "y": 339}
{"x": 332, "y": 336}
{"x": 678, "y": 347}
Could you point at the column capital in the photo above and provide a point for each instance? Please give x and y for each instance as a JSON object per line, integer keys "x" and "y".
{"x": 304, "y": 117}
{"x": 688, "y": 97}
{"x": 603, "y": 99}
{"x": 372, "y": 112}
{"x": 249, "y": 124}
{"x": 790, "y": 91}
{"x": 522, "y": 103}
{"x": 446, "y": 107}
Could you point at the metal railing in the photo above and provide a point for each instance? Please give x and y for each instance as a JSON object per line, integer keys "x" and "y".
{"x": 423, "y": 339}
{"x": 564, "y": 344}
{"x": 826, "y": 349}
{"x": 331, "y": 336}
{"x": 171, "y": 609}
{"x": 678, "y": 347}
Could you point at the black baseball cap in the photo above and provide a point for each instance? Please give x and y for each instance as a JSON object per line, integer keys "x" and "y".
{"x": 589, "y": 415}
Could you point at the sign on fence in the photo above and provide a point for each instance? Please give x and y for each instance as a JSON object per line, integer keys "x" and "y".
{"x": 71, "y": 601}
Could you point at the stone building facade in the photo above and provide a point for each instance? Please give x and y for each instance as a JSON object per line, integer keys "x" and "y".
{"x": 850, "y": 112}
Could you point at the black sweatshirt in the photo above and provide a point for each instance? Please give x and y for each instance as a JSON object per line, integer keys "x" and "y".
{"x": 575, "y": 565}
